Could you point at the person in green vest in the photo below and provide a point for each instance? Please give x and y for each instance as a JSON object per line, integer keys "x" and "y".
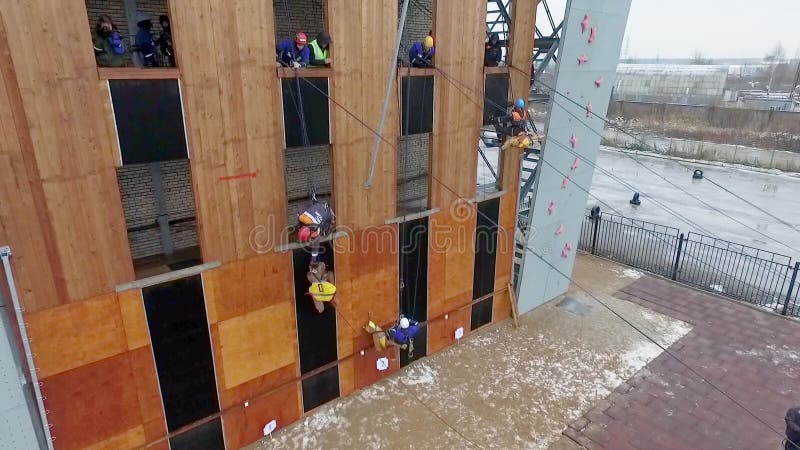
{"x": 109, "y": 49}
{"x": 320, "y": 49}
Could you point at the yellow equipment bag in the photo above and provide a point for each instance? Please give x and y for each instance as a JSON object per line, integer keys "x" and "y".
{"x": 322, "y": 291}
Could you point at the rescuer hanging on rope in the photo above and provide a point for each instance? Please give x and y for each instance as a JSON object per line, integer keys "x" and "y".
{"x": 315, "y": 219}
{"x": 512, "y": 129}
{"x": 421, "y": 53}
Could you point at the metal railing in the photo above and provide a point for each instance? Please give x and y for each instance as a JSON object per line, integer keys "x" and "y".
{"x": 767, "y": 279}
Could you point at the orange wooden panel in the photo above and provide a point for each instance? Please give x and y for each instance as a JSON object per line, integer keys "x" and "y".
{"x": 367, "y": 271}
{"x": 128, "y": 439}
{"x": 93, "y": 403}
{"x": 147, "y": 389}
{"x": 244, "y": 425}
{"x": 451, "y": 259}
{"x": 23, "y": 222}
{"x": 256, "y": 343}
{"x": 233, "y": 114}
{"x": 366, "y": 369}
{"x": 133, "y": 317}
{"x": 460, "y": 29}
{"x": 366, "y": 31}
{"x": 76, "y": 334}
{"x": 347, "y": 377}
{"x": 160, "y": 445}
{"x": 70, "y": 144}
{"x": 258, "y": 386}
{"x": 244, "y": 286}
{"x": 441, "y": 332}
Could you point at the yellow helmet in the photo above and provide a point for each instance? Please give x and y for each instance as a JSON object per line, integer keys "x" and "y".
{"x": 428, "y": 43}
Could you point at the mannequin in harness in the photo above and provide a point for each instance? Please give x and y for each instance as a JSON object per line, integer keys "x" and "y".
{"x": 321, "y": 287}
{"x": 401, "y": 334}
{"x": 316, "y": 221}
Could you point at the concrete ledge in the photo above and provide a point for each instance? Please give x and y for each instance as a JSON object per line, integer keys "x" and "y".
{"x": 166, "y": 277}
{"x": 483, "y": 196}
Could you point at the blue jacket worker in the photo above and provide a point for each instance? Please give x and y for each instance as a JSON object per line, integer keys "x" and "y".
{"x": 421, "y": 53}
{"x": 403, "y": 333}
{"x": 294, "y": 54}
{"x": 145, "y": 42}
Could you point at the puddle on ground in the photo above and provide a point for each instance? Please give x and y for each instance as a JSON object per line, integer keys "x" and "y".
{"x": 574, "y": 306}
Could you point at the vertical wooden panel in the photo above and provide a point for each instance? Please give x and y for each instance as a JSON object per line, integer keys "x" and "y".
{"x": 70, "y": 145}
{"x": 460, "y": 27}
{"x": 363, "y": 33}
{"x": 451, "y": 259}
{"x": 505, "y": 256}
{"x": 233, "y": 113}
{"x": 147, "y": 389}
{"x": 133, "y": 318}
{"x": 366, "y": 367}
{"x": 23, "y": 220}
{"x": 366, "y": 279}
{"x": 523, "y": 27}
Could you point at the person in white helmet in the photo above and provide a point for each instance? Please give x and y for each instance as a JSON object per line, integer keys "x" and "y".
{"x": 403, "y": 332}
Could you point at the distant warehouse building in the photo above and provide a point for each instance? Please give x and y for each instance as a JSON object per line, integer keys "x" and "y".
{"x": 685, "y": 84}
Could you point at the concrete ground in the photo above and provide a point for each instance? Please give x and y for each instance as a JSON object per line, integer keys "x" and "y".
{"x": 501, "y": 387}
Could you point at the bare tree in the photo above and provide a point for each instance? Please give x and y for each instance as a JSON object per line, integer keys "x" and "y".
{"x": 776, "y": 54}
{"x": 699, "y": 59}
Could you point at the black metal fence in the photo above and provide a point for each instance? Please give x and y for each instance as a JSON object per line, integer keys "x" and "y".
{"x": 767, "y": 279}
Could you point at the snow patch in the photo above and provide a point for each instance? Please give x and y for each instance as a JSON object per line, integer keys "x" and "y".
{"x": 717, "y": 288}
{"x": 632, "y": 273}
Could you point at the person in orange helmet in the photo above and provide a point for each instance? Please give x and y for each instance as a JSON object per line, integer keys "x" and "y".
{"x": 294, "y": 53}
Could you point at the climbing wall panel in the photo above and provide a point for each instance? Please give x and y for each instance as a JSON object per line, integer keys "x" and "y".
{"x": 414, "y": 246}
{"x": 368, "y": 30}
{"x": 442, "y": 331}
{"x": 232, "y": 105}
{"x": 367, "y": 283}
{"x": 451, "y": 260}
{"x": 320, "y": 388}
{"x": 70, "y": 174}
{"x": 588, "y": 56}
{"x": 458, "y": 98}
{"x": 367, "y": 371}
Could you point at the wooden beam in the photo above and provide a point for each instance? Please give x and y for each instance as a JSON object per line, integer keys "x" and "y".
{"x": 137, "y": 73}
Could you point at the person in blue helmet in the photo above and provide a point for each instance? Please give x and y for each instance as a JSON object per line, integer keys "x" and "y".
{"x": 515, "y": 122}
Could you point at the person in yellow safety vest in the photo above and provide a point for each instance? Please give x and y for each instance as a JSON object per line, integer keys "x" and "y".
{"x": 320, "y": 48}
{"x": 321, "y": 288}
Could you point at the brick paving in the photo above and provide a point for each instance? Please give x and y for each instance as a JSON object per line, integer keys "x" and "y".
{"x": 751, "y": 355}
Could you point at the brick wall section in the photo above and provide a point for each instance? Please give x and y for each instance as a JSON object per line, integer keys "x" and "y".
{"x": 116, "y": 10}
{"x": 418, "y": 23}
{"x": 139, "y": 204}
{"x": 303, "y": 15}
{"x": 413, "y": 165}
{"x": 300, "y": 165}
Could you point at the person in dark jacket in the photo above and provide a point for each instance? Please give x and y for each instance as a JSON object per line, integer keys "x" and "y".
{"x": 320, "y": 49}
{"x": 515, "y": 122}
{"x": 165, "y": 40}
{"x": 315, "y": 220}
{"x": 294, "y": 54}
{"x": 793, "y": 429}
{"x": 494, "y": 52}
{"x": 145, "y": 42}
{"x": 421, "y": 53}
{"x": 109, "y": 50}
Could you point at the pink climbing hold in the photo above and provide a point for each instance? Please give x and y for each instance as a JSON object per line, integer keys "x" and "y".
{"x": 584, "y": 23}
{"x": 583, "y": 59}
{"x": 566, "y": 181}
{"x": 560, "y": 229}
{"x": 592, "y": 34}
{"x": 565, "y": 252}
{"x": 598, "y": 82}
{"x": 568, "y": 246}
{"x": 575, "y": 164}
{"x": 573, "y": 141}
{"x": 589, "y": 110}
{"x": 551, "y": 208}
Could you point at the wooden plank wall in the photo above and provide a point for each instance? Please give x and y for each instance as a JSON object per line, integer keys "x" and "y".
{"x": 363, "y": 32}
{"x": 460, "y": 31}
{"x": 523, "y": 16}
{"x": 234, "y": 119}
{"x": 59, "y": 157}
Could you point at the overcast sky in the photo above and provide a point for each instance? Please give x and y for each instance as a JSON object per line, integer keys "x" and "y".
{"x": 718, "y": 28}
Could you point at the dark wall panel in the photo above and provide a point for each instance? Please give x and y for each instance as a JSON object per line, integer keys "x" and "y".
{"x": 417, "y": 105}
{"x": 495, "y": 102}
{"x": 485, "y": 256}
{"x": 321, "y": 388}
{"x": 316, "y": 333}
{"x": 315, "y": 110}
{"x": 481, "y": 314}
{"x": 205, "y": 437}
{"x": 149, "y": 119}
{"x": 414, "y": 280}
{"x": 176, "y": 317}
{"x": 420, "y": 348}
